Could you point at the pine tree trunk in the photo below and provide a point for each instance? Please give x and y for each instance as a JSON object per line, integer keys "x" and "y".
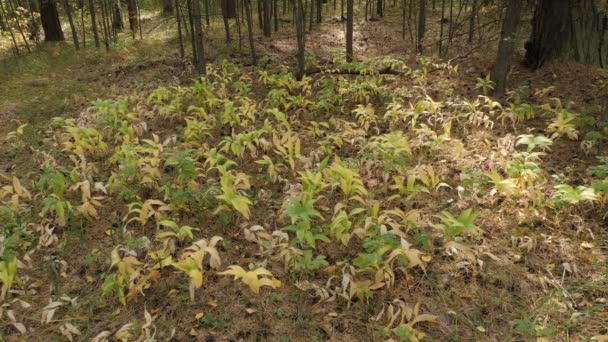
{"x": 568, "y": 29}
{"x": 50, "y": 21}
{"x": 506, "y": 45}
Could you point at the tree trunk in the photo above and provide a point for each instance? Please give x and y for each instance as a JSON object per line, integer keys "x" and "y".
{"x": 301, "y": 39}
{"x": 197, "y": 35}
{"x": 349, "y": 30}
{"x": 267, "y": 24}
{"x": 117, "y": 23}
{"x": 167, "y": 7}
{"x": 254, "y": 60}
{"x": 207, "y": 14}
{"x": 50, "y": 21}
{"x": 421, "y": 26}
{"x": 379, "y": 8}
{"x": 68, "y": 11}
{"x": 94, "y": 23}
{"x": 132, "y": 11}
{"x": 506, "y": 45}
{"x": 180, "y": 35}
{"x": 569, "y": 29}
{"x": 230, "y": 9}
{"x": 319, "y": 11}
{"x": 472, "y": 21}
{"x": 224, "y": 5}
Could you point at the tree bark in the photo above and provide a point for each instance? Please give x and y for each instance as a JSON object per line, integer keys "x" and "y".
{"x": 180, "y": 35}
{"x": 167, "y": 7}
{"x": 68, "y": 11}
{"x": 506, "y": 45}
{"x": 568, "y": 29}
{"x": 197, "y": 36}
{"x": 349, "y": 30}
{"x": 247, "y": 4}
{"x": 421, "y": 25}
{"x": 50, "y": 21}
{"x": 224, "y": 5}
{"x": 132, "y": 11}
{"x": 267, "y": 24}
{"x": 117, "y": 23}
{"x": 301, "y": 39}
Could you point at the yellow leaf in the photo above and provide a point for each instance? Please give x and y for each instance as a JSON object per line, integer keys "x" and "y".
{"x": 199, "y": 315}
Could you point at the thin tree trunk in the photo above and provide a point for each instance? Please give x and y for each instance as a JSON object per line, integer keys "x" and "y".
{"x": 276, "y": 15}
{"x": 349, "y": 30}
{"x": 105, "y": 26}
{"x": 84, "y": 36}
{"x": 312, "y": 11}
{"x": 319, "y": 11}
{"x": 68, "y": 11}
{"x": 207, "y": 14}
{"x": 301, "y": 39}
{"x": 267, "y": 25}
{"x": 10, "y": 29}
{"x": 224, "y": 8}
{"x": 506, "y": 45}
{"x": 238, "y": 26}
{"x": 19, "y": 28}
{"x": 132, "y": 12}
{"x": 441, "y": 28}
{"x": 192, "y": 38}
{"x": 247, "y": 4}
{"x": 141, "y": 35}
{"x": 200, "y": 62}
{"x": 421, "y": 25}
{"x": 472, "y": 21}
{"x": 180, "y": 36}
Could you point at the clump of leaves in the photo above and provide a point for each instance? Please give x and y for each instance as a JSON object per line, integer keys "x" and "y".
{"x": 454, "y": 226}
{"x": 485, "y": 84}
{"x": 254, "y": 279}
{"x": 567, "y": 194}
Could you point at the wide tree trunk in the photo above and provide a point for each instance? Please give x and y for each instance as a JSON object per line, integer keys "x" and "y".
{"x": 50, "y": 21}
{"x": 569, "y": 29}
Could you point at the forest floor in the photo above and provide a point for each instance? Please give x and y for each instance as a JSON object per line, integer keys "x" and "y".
{"x": 537, "y": 270}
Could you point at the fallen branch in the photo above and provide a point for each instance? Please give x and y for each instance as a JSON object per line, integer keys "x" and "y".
{"x": 346, "y": 71}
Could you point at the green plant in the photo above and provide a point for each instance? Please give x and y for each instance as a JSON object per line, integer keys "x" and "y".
{"x": 566, "y": 194}
{"x": 453, "y": 226}
{"x": 485, "y": 84}
{"x": 254, "y": 279}
{"x": 8, "y": 271}
{"x": 181, "y": 233}
{"x": 533, "y": 142}
{"x": 304, "y": 261}
{"x": 233, "y": 195}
